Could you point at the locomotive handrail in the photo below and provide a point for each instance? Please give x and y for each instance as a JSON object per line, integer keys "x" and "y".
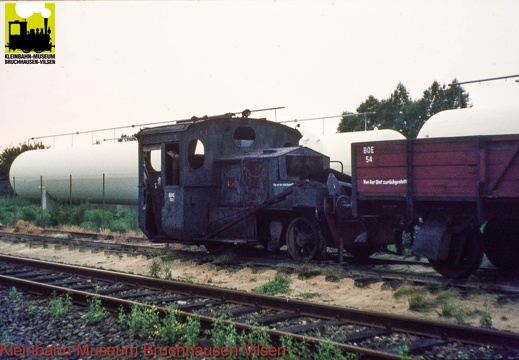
{"x": 281, "y": 196}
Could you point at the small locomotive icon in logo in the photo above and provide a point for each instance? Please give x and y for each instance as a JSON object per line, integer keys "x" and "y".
{"x": 29, "y": 27}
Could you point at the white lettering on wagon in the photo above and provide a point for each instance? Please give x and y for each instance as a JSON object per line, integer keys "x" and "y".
{"x": 368, "y": 150}
{"x": 384, "y": 182}
{"x": 171, "y": 197}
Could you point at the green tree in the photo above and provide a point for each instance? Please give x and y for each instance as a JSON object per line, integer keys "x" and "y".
{"x": 393, "y": 112}
{"x": 350, "y": 122}
{"x": 440, "y": 97}
{"x": 10, "y": 153}
{"x": 400, "y": 112}
{"x": 353, "y": 122}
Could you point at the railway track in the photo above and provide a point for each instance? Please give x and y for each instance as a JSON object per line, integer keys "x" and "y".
{"x": 365, "y": 272}
{"x": 373, "y": 335}
{"x": 79, "y": 239}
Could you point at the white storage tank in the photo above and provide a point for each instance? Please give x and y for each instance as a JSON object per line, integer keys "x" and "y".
{"x": 80, "y": 173}
{"x": 472, "y": 121}
{"x": 338, "y": 145}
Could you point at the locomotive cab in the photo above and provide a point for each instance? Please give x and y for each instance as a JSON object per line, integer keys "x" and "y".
{"x": 179, "y": 170}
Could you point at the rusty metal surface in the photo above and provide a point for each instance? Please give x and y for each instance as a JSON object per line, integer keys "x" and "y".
{"x": 210, "y": 165}
{"x": 251, "y": 211}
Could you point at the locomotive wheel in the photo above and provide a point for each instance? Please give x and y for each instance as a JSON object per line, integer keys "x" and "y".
{"x": 303, "y": 240}
{"x": 464, "y": 261}
{"x": 26, "y": 50}
{"x": 501, "y": 243}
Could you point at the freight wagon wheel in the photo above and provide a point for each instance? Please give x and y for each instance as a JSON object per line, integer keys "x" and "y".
{"x": 465, "y": 255}
{"x": 303, "y": 240}
{"x": 501, "y": 243}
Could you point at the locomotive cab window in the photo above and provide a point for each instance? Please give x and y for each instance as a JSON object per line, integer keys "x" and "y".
{"x": 195, "y": 154}
{"x": 302, "y": 166}
{"x": 172, "y": 164}
{"x": 152, "y": 165}
{"x": 152, "y": 158}
{"x": 244, "y": 136}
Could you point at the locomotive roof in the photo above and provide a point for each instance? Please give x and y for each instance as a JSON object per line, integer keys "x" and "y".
{"x": 183, "y": 125}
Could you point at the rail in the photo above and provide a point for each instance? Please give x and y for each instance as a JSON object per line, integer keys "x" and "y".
{"x": 434, "y": 332}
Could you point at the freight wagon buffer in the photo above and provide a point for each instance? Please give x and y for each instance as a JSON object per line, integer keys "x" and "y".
{"x": 449, "y": 187}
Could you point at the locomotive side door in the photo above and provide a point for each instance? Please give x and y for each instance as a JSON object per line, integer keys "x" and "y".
{"x": 153, "y": 193}
{"x": 173, "y": 197}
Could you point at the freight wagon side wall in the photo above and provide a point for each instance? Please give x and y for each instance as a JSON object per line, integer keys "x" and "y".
{"x": 380, "y": 168}
{"x": 476, "y": 176}
{"x": 379, "y": 177}
{"x": 500, "y": 167}
{"x": 444, "y": 168}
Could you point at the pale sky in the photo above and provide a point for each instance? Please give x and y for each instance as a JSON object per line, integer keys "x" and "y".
{"x": 120, "y": 63}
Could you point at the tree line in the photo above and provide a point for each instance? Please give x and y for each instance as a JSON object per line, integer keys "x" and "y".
{"x": 400, "y": 112}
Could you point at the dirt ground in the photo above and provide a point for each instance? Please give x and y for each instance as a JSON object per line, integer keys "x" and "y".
{"x": 343, "y": 293}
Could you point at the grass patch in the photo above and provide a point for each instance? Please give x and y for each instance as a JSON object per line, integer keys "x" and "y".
{"x": 418, "y": 298}
{"x": 448, "y": 301}
{"x": 408, "y": 290}
{"x": 279, "y": 285}
{"x": 159, "y": 269}
{"x": 223, "y": 333}
{"x": 455, "y": 311}
{"x": 420, "y": 303}
{"x": 146, "y": 323}
{"x": 14, "y": 294}
{"x": 309, "y": 295}
{"x": 59, "y": 305}
{"x": 188, "y": 278}
{"x": 96, "y": 312}
{"x": 83, "y": 216}
{"x": 485, "y": 318}
{"x": 451, "y": 307}
{"x": 446, "y": 296}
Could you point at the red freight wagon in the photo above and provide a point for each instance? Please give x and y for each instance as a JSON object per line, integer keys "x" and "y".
{"x": 449, "y": 187}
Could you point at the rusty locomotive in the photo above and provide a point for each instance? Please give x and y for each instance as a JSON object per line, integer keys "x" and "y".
{"x": 225, "y": 180}
{"x": 232, "y": 179}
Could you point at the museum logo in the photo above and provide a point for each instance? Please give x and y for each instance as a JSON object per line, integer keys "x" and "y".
{"x": 29, "y": 33}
